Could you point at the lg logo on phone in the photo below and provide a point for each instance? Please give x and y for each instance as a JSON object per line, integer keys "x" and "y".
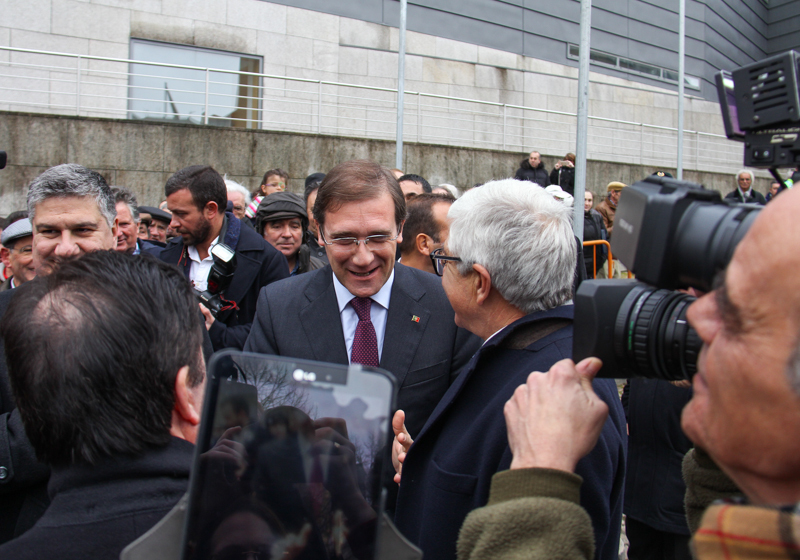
{"x": 300, "y": 375}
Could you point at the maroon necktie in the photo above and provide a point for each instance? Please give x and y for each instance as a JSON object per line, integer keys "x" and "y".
{"x": 365, "y": 343}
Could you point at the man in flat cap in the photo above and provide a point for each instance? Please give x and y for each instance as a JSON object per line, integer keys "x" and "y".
{"x": 17, "y": 253}
{"x": 607, "y": 208}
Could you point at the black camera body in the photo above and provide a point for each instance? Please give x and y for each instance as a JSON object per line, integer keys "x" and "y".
{"x": 672, "y": 234}
{"x": 761, "y": 107}
{"x": 219, "y": 278}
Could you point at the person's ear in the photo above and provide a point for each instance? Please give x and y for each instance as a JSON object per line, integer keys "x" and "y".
{"x": 188, "y": 406}
{"x": 5, "y": 255}
{"x": 482, "y": 283}
{"x": 400, "y": 232}
{"x": 320, "y": 242}
{"x": 425, "y": 244}
{"x": 211, "y": 210}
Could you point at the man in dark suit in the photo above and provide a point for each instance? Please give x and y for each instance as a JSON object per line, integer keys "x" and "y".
{"x": 197, "y": 198}
{"x": 514, "y": 292}
{"x": 744, "y": 192}
{"x": 128, "y": 225}
{"x": 364, "y": 308}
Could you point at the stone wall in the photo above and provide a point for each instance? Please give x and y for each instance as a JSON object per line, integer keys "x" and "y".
{"x": 142, "y": 155}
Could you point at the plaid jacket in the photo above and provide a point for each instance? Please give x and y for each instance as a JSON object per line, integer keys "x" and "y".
{"x": 735, "y": 531}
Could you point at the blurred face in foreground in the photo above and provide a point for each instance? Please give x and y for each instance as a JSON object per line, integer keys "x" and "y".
{"x": 746, "y": 408}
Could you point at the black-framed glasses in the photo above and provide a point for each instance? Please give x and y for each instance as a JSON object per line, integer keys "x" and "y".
{"x": 439, "y": 259}
{"x": 371, "y": 242}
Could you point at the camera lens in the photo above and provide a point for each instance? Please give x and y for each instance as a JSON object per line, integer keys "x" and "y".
{"x": 652, "y": 336}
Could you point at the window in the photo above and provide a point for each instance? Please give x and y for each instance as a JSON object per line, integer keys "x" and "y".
{"x": 632, "y": 66}
{"x": 179, "y": 88}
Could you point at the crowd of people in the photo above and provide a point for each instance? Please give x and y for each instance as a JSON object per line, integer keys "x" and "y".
{"x": 112, "y": 310}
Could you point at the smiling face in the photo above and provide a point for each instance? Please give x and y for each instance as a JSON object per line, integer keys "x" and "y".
{"x": 744, "y": 411}
{"x": 362, "y": 270}
{"x": 127, "y": 229}
{"x": 69, "y": 226}
{"x": 18, "y": 258}
{"x": 273, "y": 184}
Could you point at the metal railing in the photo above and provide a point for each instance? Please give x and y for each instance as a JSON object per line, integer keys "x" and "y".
{"x": 81, "y": 85}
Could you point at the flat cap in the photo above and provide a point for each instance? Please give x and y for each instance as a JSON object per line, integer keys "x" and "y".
{"x": 615, "y": 186}
{"x": 156, "y": 213}
{"x": 20, "y": 228}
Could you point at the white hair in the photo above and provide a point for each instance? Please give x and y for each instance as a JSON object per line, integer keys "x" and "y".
{"x": 522, "y": 236}
{"x": 452, "y": 189}
{"x": 752, "y": 176}
{"x": 233, "y": 186}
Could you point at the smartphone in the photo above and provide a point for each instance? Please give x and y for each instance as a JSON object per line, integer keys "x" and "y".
{"x": 289, "y": 460}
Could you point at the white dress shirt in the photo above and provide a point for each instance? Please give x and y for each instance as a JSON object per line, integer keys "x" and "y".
{"x": 199, "y": 269}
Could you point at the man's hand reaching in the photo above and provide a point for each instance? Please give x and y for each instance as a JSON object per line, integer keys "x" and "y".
{"x": 402, "y": 441}
{"x": 554, "y": 420}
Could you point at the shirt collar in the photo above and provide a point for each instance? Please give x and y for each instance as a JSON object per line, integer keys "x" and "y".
{"x": 382, "y": 297}
{"x": 195, "y": 256}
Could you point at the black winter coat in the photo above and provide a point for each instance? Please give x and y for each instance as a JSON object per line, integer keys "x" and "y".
{"x": 97, "y": 511}
{"x": 564, "y": 177}
{"x": 257, "y": 264}
{"x": 593, "y": 230}
{"x": 527, "y": 173}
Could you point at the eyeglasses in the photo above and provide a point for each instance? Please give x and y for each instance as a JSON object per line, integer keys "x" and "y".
{"x": 439, "y": 259}
{"x": 25, "y": 251}
{"x": 371, "y": 242}
{"x": 280, "y": 186}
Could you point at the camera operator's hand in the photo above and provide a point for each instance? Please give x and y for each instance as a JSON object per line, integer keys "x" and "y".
{"x": 207, "y": 315}
{"x": 402, "y": 442}
{"x": 554, "y": 420}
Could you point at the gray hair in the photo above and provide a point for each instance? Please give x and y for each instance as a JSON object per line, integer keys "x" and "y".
{"x": 522, "y": 236}
{"x": 124, "y": 194}
{"x": 71, "y": 179}
{"x": 233, "y": 186}
{"x": 752, "y": 175}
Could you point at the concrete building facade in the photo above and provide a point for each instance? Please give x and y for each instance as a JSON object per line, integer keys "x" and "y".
{"x": 514, "y": 56}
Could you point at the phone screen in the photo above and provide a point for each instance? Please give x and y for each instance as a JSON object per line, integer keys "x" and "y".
{"x": 289, "y": 460}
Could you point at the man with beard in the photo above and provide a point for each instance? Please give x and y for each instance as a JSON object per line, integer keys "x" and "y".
{"x": 197, "y": 197}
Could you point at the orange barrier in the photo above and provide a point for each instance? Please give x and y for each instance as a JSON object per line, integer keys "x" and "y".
{"x": 594, "y": 244}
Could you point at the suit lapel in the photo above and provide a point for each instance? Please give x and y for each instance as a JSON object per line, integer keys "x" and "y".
{"x": 321, "y": 321}
{"x": 405, "y": 324}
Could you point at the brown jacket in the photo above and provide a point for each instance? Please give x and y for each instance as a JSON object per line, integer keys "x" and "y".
{"x": 607, "y": 211}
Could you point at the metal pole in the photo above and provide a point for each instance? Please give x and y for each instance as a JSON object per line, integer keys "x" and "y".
{"x": 319, "y": 108}
{"x": 505, "y": 107}
{"x": 78, "y": 90}
{"x": 401, "y": 84}
{"x": 205, "y": 115}
{"x": 681, "y": 71}
{"x": 583, "y": 117}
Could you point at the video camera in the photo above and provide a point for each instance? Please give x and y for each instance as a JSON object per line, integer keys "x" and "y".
{"x": 674, "y": 234}
{"x": 219, "y": 278}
